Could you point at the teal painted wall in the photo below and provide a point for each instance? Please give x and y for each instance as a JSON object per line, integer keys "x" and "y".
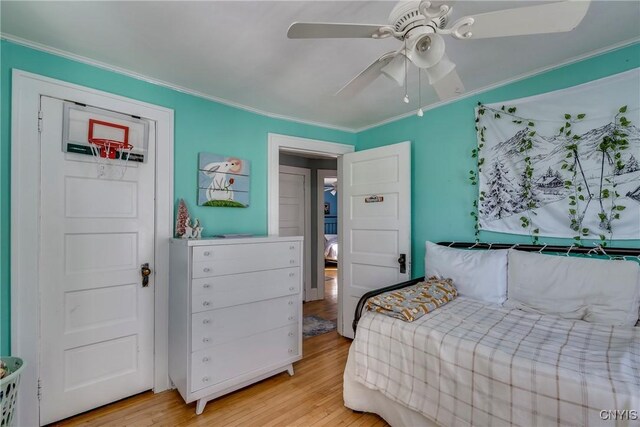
{"x": 200, "y": 125}
{"x": 441, "y": 144}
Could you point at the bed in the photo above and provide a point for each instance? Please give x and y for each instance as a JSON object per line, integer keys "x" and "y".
{"x": 330, "y": 241}
{"x": 473, "y": 362}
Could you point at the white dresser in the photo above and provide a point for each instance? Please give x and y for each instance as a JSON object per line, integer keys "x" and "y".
{"x": 235, "y": 313}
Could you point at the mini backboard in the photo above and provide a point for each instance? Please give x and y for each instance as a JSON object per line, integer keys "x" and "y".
{"x": 108, "y": 134}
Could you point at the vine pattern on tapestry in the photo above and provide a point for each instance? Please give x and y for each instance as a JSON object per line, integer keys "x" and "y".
{"x": 525, "y": 198}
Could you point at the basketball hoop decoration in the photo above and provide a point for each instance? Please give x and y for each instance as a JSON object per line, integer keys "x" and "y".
{"x": 111, "y": 140}
{"x": 106, "y": 148}
{"x": 109, "y": 147}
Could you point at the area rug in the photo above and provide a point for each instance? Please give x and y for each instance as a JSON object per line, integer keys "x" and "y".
{"x": 314, "y": 325}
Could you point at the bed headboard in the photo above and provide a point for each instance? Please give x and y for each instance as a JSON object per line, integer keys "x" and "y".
{"x": 573, "y": 249}
{"x": 330, "y": 225}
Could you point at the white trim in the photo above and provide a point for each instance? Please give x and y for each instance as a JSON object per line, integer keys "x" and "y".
{"x": 27, "y": 88}
{"x": 321, "y": 175}
{"x": 291, "y": 144}
{"x": 496, "y": 85}
{"x": 341, "y": 212}
{"x": 151, "y": 80}
{"x": 309, "y": 292}
{"x": 158, "y": 82}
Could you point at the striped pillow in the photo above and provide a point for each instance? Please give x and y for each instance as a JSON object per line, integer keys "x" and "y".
{"x": 414, "y": 301}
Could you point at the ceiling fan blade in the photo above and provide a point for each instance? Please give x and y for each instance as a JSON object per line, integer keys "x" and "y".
{"x": 325, "y": 30}
{"x": 449, "y": 86}
{"x": 547, "y": 18}
{"x": 366, "y": 77}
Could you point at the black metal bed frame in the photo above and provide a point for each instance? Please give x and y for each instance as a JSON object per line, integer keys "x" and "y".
{"x": 597, "y": 250}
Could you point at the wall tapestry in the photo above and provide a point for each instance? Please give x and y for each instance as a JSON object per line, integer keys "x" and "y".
{"x": 223, "y": 181}
{"x": 562, "y": 164}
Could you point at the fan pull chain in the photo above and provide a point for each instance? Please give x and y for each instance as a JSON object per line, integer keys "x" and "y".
{"x": 406, "y": 59}
{"x": 420, "y": 112}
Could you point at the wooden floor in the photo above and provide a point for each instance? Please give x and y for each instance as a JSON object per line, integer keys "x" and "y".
{"x": 326, "y": 308}
{"x": 312, "y": 397}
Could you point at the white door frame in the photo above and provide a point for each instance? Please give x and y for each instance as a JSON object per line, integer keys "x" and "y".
{"x": 322, "y": 174}
{"x": 27, "y": 88}
{"x": 308, "y": 292}
{"x": 293, "y": 144}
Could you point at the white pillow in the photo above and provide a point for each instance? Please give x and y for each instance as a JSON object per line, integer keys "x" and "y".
{"x": 594, "y": 290}
{"x": 481, "y": 275}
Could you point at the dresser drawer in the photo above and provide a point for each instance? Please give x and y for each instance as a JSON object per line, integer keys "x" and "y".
{"x": 233, "y": 259}
{"x": 226, "y": 361}
{"x": 224, "y": 291}
{"x": 250, "y": 251}
{"x": 210, "y": 328}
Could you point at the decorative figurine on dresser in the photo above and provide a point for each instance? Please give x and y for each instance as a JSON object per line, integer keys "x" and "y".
{"x": 235, "y": 313}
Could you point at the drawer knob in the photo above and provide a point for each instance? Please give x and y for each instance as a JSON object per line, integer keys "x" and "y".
{"x": 205, "y": 359}
{"x": 292, "y": 274}
{"x": 206, "y": 321}
{"x": 206, "y": 286}
{"x": 205, "y": 379}
{"x": 292, "y": 261}
{"x": 290, "y": 317}
{"x": 292, "y": 247}
{"x": 207, "y": 253}
{"x": 291, "y": 288}
{"x": 206, "y": 303}
{"x": 206, "y": 339}
{"x": 290, "y": 334}
{"x": 206, "y": 269}
{"x": 290, "y": 302}
{"x": 290, "y": 351}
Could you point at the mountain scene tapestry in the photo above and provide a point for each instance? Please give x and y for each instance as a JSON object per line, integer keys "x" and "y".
{"x": 564, "y": 163}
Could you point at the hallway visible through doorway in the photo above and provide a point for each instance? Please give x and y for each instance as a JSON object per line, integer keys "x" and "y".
{"x": 320, "y": 316}
{"x": 326, "y": 308}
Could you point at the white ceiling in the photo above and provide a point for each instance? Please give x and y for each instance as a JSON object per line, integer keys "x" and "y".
{"x": 238, "y": 51}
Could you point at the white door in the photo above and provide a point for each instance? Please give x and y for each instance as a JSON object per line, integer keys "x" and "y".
{"x": 291, "y": 204}
{"x": 295, "y": 213}
{"x": 96, "y": 319}
{"x": 375, "y": 230}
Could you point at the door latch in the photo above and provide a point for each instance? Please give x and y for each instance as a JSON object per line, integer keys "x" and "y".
{"x": 403, "y": 263}
{"x": 145, "y": 271}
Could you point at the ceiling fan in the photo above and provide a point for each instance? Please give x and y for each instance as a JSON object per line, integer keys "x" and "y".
{"x": 420, "y": 25}
{"x": 331, "y": 187}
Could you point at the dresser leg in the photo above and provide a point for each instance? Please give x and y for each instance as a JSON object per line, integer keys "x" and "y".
{"x": 200, "y": 406}
{"x": 290, "y": 370}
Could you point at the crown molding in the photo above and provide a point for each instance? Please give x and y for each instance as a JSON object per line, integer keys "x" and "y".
{"x": 137, "y": 76}
{"x": 492, "y": 86}
{"x": 95, "y": 63}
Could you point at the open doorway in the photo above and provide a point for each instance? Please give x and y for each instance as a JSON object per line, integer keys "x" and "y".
{"x": 327, "y": 239}
{"x": 306, "y": 209}
{"x": 318, "y": 160}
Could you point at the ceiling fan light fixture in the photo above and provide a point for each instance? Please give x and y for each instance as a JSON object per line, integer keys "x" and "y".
{"x": 426, "y": 49}
{"x": 395, "y": 69}
{"x": 440, "y": 70}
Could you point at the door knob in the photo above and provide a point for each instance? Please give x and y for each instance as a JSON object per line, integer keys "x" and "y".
{"x": 403, "y": 263}
{"x": 145, "y": 271}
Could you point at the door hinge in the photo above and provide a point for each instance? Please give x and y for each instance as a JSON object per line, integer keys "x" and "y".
{"x": 39, "y": 389}
{"x": 40, "y": 121}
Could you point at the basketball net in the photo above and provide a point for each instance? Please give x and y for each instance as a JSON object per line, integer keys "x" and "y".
{"x": 104, "y": 153}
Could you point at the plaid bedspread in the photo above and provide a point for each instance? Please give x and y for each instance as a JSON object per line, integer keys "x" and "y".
{"x": 475, "y": 363}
